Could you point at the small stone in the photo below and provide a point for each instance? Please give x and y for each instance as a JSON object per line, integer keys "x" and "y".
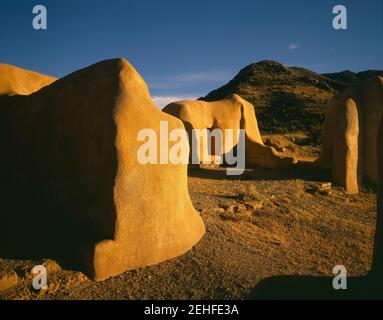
{"x": 321, "y": 188}
{"x": 50, "y": 265}
{"x": 325, "y": 185}
{"x": 253, "y": 206}
{"x": 219, "y": 210}
{"x": 8, "y": 278}
{"x": 325, "y": 192}
{"x": 237, "y": 208}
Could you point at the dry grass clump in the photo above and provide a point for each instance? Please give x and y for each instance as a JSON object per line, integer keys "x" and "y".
{"x": 250, "y": 193}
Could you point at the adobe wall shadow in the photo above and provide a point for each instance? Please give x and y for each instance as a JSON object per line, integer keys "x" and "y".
{"x": 305, "y": 171}
{"x": 310, "y": 287}
{"x": 37, "y": 218}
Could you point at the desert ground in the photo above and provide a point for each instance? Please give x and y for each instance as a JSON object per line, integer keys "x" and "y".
{"x": 261, "y": 224}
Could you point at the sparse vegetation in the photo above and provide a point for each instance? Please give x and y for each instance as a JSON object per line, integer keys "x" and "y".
{"x": 350, "y": 77}
{"x": 288, "y": 99}
{"x": 250, "y": 193}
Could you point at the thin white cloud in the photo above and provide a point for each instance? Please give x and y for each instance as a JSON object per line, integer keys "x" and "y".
{"x": 293, "y": 46}
{"x": 177, "y": 81}
{"x": 163, "y": 101}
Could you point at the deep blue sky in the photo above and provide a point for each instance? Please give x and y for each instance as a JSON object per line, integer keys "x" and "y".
{"x": 186, "y": 48}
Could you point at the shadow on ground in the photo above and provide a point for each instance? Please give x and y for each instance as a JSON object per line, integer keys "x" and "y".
{"x": 308, "y": 287}
{"x": 304, "y": 170}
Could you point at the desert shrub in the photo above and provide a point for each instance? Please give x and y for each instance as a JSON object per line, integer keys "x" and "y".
{"x": 250, "y": 193}
{"x": 289, "y": 112}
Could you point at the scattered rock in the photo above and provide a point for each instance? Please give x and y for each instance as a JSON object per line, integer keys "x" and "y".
{"x": 63, "y": 280}
{"x": 50, "y": 265}
{"x": 237, "y": 208}
{"x": 253, "y": 205}
{"x": 25, "y": 271}
{"x": 324, "y": 192}
{"x": 220, "y": 210}
{"x": 8, "y": 278}
{"x": 323, "y": 189}
{"x": 325, "y": 185}
{"x": 239, "y": 211}
{"x": 274, "y": 144}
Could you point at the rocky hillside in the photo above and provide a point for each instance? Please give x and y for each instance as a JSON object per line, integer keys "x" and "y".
{"x": 287, "y": 99}
{"x": 350, "y": 77}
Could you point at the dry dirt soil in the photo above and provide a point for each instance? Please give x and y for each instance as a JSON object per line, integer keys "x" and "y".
{"x": 261, "y": 224}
